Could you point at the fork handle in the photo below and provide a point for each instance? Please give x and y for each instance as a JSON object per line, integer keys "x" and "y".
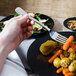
{"x": 22, "y": 12}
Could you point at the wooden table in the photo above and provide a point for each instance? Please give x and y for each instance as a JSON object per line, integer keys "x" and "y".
{"x": 53, "y": 8}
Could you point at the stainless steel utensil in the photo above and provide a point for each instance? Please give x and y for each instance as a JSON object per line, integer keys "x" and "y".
{"x": 54, "y": 35}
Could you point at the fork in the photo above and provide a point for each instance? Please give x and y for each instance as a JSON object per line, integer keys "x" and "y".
{"x": 54, "y": 35}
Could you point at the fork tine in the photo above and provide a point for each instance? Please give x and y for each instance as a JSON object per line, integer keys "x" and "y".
{"x": 60, "y": 41}
{"x": 61, "y": 38}
{"x": 58, "y": 37}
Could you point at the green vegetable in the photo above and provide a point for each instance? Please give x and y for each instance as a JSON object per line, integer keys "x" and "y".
{"x": 37, "y": 16}
{"x": 1, "y": 21}
{"x": 15, "y": 15}
{"x": 37, "y": 26}
{"x": 35, "y": 32}
{"x": 2, "y": 25}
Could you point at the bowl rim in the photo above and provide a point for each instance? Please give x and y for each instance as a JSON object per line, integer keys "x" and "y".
{"x": 68, "y": 19}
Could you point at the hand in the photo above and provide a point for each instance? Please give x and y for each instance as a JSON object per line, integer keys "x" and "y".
{"x": 15, "y": 31}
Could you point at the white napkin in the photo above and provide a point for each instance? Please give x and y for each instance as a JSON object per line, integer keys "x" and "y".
{"x": 12, "y": 69}
{"x": 13, "y": 66}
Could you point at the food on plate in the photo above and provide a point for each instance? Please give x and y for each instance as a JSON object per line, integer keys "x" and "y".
{"x": 65, "y": 62}
{"x": 72, "y": 49}
{"x": 71, "y": 24}
{"x": 38, "y": 28}
{"x": 70, "y": 74}
{"x": 64, "y": 58}
{"x": 1, "y": 25}
{"x": 61, "y": 56}
{"x": 56, "y": 62}
{"x": 54, "y": 56}
{"x": 66, "y": 53}
{"x": 65, "y": 71}
{"x": 72, "y": 56}
{"x": 59, "y": 70}
{"x": 72, "y": 66}
{"x": 68, "y": 42}
{"x": 47, "y": 47}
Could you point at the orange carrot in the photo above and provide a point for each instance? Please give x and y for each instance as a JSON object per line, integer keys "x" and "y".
{"x": 65, "y": 71}
{"x": 54, "y": 56}
{"x": 59, "y": 70}
{"x": 68, "y": 42}
{"x": 71, "y": 50}
{"x": 73, "y": 45}
{"x": 70, "y": 74}
{"x": 61, "y": 56}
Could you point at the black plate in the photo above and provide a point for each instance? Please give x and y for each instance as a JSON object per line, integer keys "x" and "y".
{"x": 39, "y": 63}
{"x": 42, "y": 16}
{"x": 65, "y": 22}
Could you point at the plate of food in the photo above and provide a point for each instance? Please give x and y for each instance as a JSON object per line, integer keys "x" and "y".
{"x": 43, "y": 57}
{"x": 37, "y": 29}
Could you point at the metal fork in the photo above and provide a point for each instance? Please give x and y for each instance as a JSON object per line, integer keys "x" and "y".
{"x": 54, "y": 35}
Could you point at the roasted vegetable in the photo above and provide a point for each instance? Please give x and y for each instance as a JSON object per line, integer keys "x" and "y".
{"x": 72, "y": 56}
{"x": 56, "y": 62}
{"x": 72, "y": 50}
{"x": 47, "y": 47}
{"x": 65, "y": 62}
{"x": 68, "y": 42}
{"x": 65, "y": 71}
{"x": 55, "y": 56}
{"x": 72, "y": 67}
{"x": 66, "y": 53}
{"x": 70, "y": 74}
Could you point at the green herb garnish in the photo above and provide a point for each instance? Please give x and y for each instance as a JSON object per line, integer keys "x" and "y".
{"x": 15, "y": 15}
{"x": 2, "y": 26}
